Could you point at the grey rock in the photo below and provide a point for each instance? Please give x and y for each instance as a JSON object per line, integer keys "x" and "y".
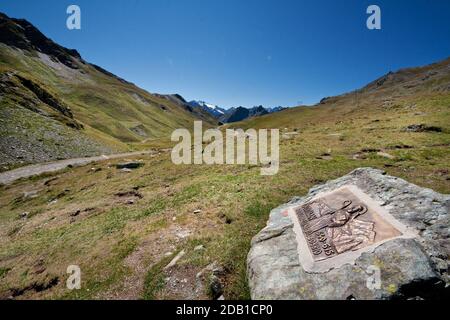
{"x": 24, "y": 215}
{"x": 422, "y": 128}
{"x": 410, "y": 268}
{"x": 208, "y": 270}
{"x": 385, "y": 155}
{"x": 30, "y": 194}
{"x": 215, "y": 286}
{"x": 129, "y": 165}
{"x": 175, "y": 260}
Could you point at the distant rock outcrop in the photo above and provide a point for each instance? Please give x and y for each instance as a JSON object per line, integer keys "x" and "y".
{"x": 236, "y": 114}
{"x": 21, "y": 34}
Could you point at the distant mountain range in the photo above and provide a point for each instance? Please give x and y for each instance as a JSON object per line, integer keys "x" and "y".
{"x": 224, "y": 115}
{"x": 212, "y": 109}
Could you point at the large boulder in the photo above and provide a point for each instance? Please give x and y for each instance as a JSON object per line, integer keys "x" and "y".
{"x": 396, "y": 244}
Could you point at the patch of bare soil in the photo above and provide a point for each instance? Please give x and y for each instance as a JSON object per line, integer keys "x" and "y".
{"x": 182, "y": 283}
{"x": 148, "y": 253}
{"x": 181, "y": 280}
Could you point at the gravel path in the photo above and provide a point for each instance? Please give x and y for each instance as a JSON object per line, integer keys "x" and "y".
{"x": 35, "y": 169}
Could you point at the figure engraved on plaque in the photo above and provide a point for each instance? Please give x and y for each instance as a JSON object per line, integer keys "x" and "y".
{"x": 334, "y": 225}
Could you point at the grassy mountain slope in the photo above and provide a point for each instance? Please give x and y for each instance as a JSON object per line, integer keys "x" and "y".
{"x": 102, "y": 112}
{"x": 422, "y": 93}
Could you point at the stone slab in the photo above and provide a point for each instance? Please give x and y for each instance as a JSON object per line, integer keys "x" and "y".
{"x": 410, "y": 267}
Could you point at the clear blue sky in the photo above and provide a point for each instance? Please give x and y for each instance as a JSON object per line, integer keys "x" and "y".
{"x": 247, "y": 52}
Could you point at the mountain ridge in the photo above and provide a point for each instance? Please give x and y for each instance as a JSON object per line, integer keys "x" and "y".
{"x": 393, "y": 91}
{"x": 90, "y": 110}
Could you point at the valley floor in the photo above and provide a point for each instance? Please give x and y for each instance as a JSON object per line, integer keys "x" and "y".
{"x": 123, "y": 228}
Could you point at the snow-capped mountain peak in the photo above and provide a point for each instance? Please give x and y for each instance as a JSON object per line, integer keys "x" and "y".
{"x": 212, "y": 109}
{"x": 232, "y": 114}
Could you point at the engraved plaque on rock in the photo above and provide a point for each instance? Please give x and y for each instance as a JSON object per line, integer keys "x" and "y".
{"x": 336, "y": 227}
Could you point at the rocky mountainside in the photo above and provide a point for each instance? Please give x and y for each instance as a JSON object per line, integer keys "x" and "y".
{"x": 241, "y": 113}
{"x": 54, "y": 104}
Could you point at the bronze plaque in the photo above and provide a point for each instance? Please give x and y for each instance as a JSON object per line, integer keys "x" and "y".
{"x": 342, "y": 221}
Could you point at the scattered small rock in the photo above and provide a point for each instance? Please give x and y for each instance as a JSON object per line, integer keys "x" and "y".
{"x": 197, "y": 211}
{"x": 49, "y": 181}
{"x": 385, "y": 155}
{"x": 175, "y": 260}
{"x": 129, "y": 165}
{"x": 325, "y": 156}
{"x": 442, "y": 172}
{"x": 30, "y": 194}
{"x": 183, "y": 234}
{"x": 358, "y": 156}
{"x": 199, "y": 247}
{"x": 24, "y": 215}
{"x": 369, "y": 150}
{"x": 132, "y": 193}
{"x": 401, "y": 146}
{"x": 75, "y": 213}
{"x": 389, "y": 165}
{"x": 422, "y": 128}
{"x": 289, "y": 135}
{"x": 215, "y": 286}
{"x": 208, "y": 269}
{"x": 39, "y": 267}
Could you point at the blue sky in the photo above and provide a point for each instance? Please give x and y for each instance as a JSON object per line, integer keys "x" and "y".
{"x": 247, "y": 52}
